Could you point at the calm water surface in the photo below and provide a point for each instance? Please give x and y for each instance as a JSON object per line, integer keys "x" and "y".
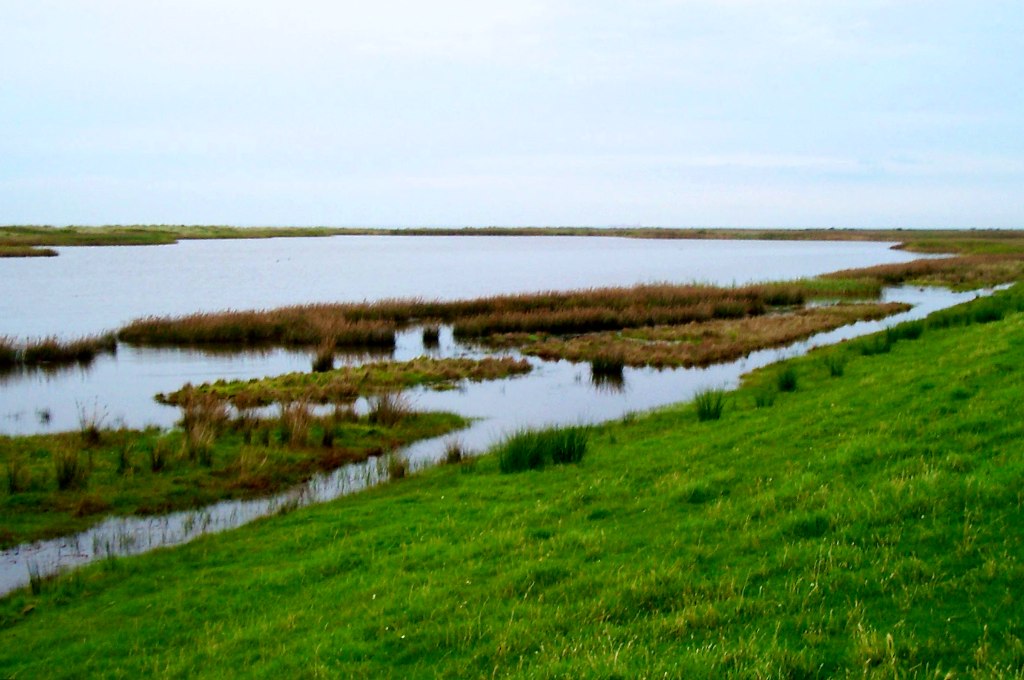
{"x": 89, "y": 290}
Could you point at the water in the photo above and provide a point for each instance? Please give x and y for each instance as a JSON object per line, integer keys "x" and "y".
{"x": 555, "y": 393}
{"x": 90, "y": 290}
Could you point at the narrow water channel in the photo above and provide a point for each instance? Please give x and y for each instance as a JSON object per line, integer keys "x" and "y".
{"x": 554, "y": 393}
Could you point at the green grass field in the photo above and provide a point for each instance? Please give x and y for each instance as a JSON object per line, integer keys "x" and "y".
{"x": 867, "y": 522}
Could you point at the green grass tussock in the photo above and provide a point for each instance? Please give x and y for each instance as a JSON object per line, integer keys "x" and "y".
{"x": 709, "y": 404}
{"x": 535, "y": 449}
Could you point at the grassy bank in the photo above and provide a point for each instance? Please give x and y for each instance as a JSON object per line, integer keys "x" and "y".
{"x": 856, "y": 512}
{"x": 346, "y": 384}
{"x": 54, "y": 485}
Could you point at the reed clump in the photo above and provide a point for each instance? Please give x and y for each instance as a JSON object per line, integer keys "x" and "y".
{"x": 709, "y": 404}
{"x": 53, "y": 351}
{"x": 70, "y": 469}
{"x": 786, "y": 379}
{"x": 608, "y": 365}
{"x": 389, "y": 409}
{"x": 534, "y": 449}
{"x": 296, "y": 420}
{"x": 431, "y": 336}
{"x": 323, "y": 361}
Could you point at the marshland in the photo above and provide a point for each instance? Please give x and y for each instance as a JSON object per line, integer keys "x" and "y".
{"x": 541, "y": 385}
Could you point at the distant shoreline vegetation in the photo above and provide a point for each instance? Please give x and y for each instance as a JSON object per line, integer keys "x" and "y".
{"x": 35, "y": 241}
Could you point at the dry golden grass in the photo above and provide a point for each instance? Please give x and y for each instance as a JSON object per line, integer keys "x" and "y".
{"x": 374, "y": 324}
{"x": 702, "y": 343}
{"x": 966, "y": 271}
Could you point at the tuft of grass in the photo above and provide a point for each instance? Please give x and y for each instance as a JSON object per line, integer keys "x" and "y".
{"x": 431, "y": 336}
{"x": 17, "y": 475}
{"x": 296, "y": 420}
{"x": 159, "y": 455}
{"x": 880, "y": 343}
{"x": 454, "y": 452}
{"x": 534, "y": 449}
{"x": 324, "y": 359}
{"x": 389, "y": 409}
{"x": 764, "y": 397}
{"x": 90, "y": 424}
{"x": 786, "y": 379}
{"x": 70, "y": 470}
{"x": 709, "y": 403}
{"x": 608, "y": 364}
{"x": 398, "y": 466}
{"x": 835, "y": 363}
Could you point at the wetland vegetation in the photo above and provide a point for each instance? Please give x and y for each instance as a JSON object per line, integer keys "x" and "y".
{"x": 60, "y": 484}
{"x": 862, "y": 524}
{"x": 347, "y": 383}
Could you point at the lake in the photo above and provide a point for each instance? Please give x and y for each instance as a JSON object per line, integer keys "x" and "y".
{"x": 92, "y": 289}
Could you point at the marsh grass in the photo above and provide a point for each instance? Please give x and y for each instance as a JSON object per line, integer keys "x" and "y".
{"x": 159, "y": 455}
{"x": 389, "y": 409}
{"x": 608, "y": 365}
{"x": 699, "y": 343}
{"x": 344, "y": 385}
{"x": 53, "y": 351}
{"x": 534, "y": 449}
{"x": 454, "y": 452}
{"x": 90, "y": 424}
{"x": 786, "y": 379}
{"x": 709, "y": 404}
{"x": 8, "y": 353}
{"x": 431, "y": 336}
{"x": 370, "y": 325}
{"x": 18, "y": 476}
{"x": 397, "y": 466}
{"x": 323, "y": 361}
{"x": 70, "y": 470}
{"x": 296, "y": 420}
{"x": 835, "y": 363}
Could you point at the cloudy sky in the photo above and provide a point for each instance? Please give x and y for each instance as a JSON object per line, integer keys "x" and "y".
{"x": 464, "y": 112}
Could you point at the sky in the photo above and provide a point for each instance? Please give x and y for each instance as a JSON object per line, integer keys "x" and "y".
{"x": 780, "y": 113}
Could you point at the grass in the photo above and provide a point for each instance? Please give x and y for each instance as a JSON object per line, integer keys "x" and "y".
{"x": 866, "y": 526}
{"x": 700, "y": 343}
{"x": 52, "y": 351}
{"x": 347, "y": 383}
{"x": 373, "y": 325}
{"x": 709, "y": 404}
{"x": 61, "y": 484}
{"x": 26, "y": 251}
{"x": 431, "y": 336}
{"x": 535, "y": 449}
{"x": 608, "y": 366}
{"x": 786, "y": 378}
